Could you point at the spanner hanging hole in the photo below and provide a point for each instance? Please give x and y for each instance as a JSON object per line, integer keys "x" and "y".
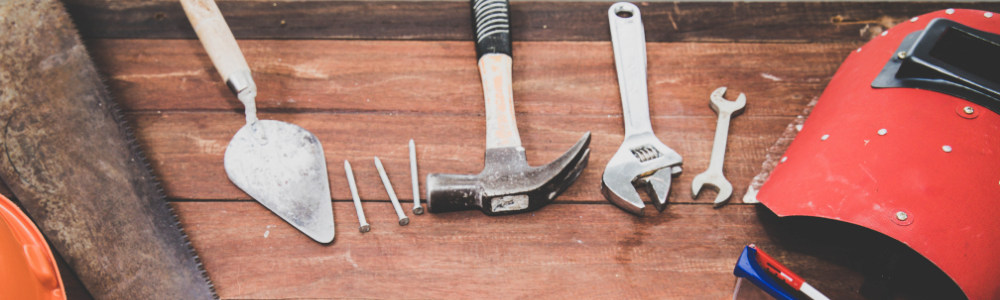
{"x": 624, "y": 11}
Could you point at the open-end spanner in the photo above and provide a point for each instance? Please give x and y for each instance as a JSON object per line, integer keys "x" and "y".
{"x": 713, "y": 176}
{"x": 642, "y": 159}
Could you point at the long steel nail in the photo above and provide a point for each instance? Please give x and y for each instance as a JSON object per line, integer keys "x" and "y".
{"x": 403, "y": 220}
{"x": 417, "y": 209}
{"x": 357, "y": 200}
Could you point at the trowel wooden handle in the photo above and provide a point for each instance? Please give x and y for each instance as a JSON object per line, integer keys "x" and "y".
{"x": 216, "y": 37}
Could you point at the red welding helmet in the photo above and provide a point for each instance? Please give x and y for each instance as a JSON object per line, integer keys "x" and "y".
{"x": 905, "y": 140}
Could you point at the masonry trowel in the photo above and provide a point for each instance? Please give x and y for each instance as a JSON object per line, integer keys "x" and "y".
{"x": 279, "y": 164}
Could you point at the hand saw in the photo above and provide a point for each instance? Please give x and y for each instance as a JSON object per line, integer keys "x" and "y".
{"x": 70, "y": 160}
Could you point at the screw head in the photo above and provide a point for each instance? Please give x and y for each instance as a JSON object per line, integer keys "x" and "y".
{"x": 885, "y": 33}
{"x": 969, "y": 110}
{"x": 946, "y": 148}
{"x": 914, "y": 19}
{"x": 825, "y": 136}
{"x": 882, "y": 131}
{"x": 783, "y": 159}
{"x": 901, "y": 54}
{"x": 949, "y": 11}
{"x": 901, "y": 216}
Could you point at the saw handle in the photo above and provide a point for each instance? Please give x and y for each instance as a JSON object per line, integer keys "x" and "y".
{"x": 218, "y": 40}
{"x": 492, "y": 24}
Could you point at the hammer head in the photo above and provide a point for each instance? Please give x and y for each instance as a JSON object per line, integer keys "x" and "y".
{"x": 507, "y": 185}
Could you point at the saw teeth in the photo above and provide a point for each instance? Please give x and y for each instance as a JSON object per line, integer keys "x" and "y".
{"x": 159, "y": 195}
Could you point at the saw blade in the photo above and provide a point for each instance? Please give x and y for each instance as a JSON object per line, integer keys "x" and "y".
{"x": 76, "y": 168}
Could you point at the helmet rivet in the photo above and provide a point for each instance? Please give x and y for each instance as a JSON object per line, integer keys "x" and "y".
{"x": 969, "y": 110}
{"x": 901, "y": 216}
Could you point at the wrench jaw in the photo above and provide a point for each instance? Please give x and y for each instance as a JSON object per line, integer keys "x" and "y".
{"x": 618, "y": 189}
{"x": 658, "y": 187}
{"x": 714, "y": 181}
{"x": 718, "y": 101}
{"x": 636, "y": 163}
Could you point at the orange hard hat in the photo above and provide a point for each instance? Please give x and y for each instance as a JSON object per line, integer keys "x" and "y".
{"x": 29, "y": 270}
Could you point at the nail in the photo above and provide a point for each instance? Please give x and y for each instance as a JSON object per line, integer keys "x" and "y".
{"x": 403, "y": 220}
{"x": 417, "y": 209}
{"x": 357, "y": 200}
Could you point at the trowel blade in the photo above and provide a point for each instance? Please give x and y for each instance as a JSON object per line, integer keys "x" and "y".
{"x": 287, "y": 174}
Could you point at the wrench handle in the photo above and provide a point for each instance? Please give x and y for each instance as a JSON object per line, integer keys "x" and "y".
{"x": 492, "y": 24}
{"x": 719, "y": 145}
{"x": 628, "y": 38}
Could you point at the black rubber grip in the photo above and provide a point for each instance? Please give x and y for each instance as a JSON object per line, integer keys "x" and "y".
{"x": 492, "y": 23}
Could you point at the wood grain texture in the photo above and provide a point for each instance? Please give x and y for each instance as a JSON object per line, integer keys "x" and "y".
{"x": 186, "y": 149}
{"x": 530, "y": 20}
{"x": 589, "y": 251}
{"x": 550, "y": 78}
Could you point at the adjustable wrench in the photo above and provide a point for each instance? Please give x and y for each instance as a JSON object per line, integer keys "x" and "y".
{"x": 642, "y": 159}
{"x": 713, "y": 176}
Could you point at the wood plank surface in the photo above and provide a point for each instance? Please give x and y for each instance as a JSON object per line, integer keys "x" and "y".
{"x": 530, "y": 20}
{"x": 186, "y": 149}
{"x": 550, "y": 78}
{"x": 367, "y": 76}
{"x": 582, "y": 251}
{"x": 184, "y": 115}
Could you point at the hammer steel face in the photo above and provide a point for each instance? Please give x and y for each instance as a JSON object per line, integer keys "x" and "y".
{"x": 507, "y": 185}
{"x": 642, "y": 159}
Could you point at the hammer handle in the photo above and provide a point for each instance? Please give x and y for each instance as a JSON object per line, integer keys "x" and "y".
{"x": 501, "y": 128}
{"x": 492, "y": 21}
{"x": 492, "y": 24}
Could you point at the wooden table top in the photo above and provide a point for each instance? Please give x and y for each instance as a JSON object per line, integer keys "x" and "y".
{"x": 367, "y": 76}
